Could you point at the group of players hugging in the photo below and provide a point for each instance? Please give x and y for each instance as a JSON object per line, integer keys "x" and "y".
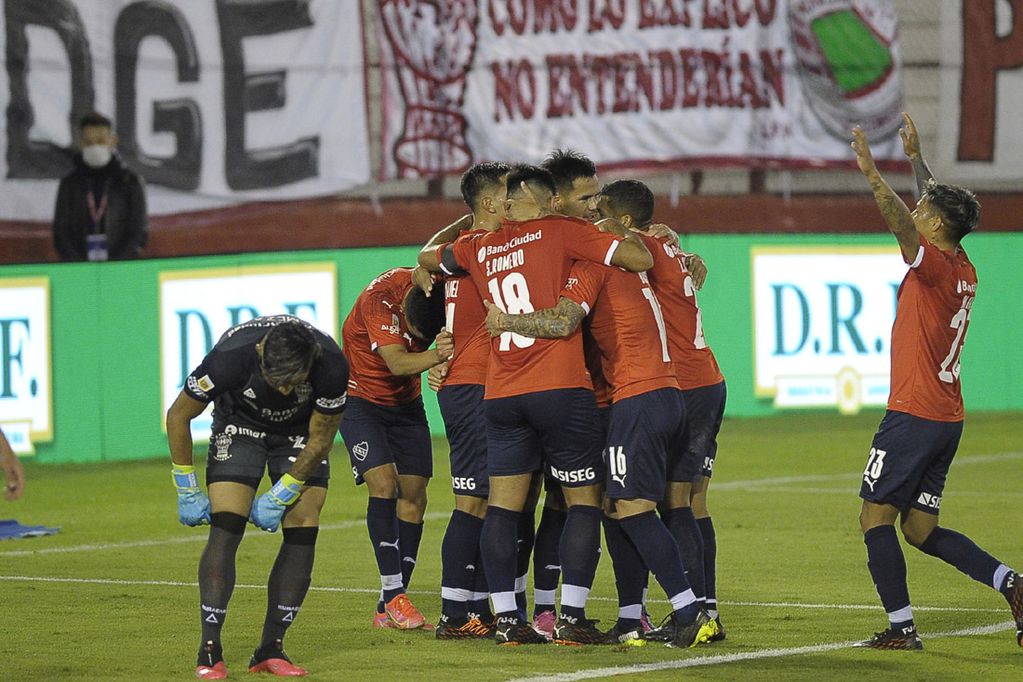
{"x": 559, "y": 325}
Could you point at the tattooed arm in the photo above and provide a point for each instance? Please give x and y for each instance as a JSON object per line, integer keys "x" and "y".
{"x": 911, "y": 145}
{"x": 893, "y": 210}
{"x": 558, "y": 322}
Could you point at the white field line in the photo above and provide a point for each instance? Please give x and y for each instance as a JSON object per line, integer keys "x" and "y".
{"x": 195, "y": 537}
{"x": 368, "y": 590}
{"x": 781, "y": 480}
{"x": 700, "y": 661}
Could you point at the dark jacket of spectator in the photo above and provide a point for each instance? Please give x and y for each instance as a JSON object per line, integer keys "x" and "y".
{"x": 121, "y": 217}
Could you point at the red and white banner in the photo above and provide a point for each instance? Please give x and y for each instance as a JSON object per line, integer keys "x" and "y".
{"x": 981, "y": 91}
{"x": 637, "y": 83}
{"x": 214, "y": 102}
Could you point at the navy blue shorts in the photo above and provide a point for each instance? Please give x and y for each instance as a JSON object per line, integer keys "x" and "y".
{"x": 551, "y": 484}
{"x": 466, "y": 425}
{"x": 562, "y": 424}
{"x": 380, "y": 434}
{"x": 240, "y": 453}
{"x": 693, "y": 456}
{"x": 642, "y": 430}
{"x": 909, "y": 460}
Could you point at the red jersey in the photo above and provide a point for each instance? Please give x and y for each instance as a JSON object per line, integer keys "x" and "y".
{"x": 594, "y": 360}
{"x": 695, "y": 365}
{"x": 627, "y": 326}
{"x": 933, "y": 312}
{"x": 522, "y": 267}
{"x": 378, "y": 319}
{"x": 465, "y": 318}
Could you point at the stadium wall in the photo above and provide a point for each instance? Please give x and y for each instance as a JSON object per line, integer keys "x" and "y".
{"x": 101, "y": 375}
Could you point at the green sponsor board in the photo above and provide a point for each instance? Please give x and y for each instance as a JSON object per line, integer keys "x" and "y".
{"x": 106, "y": 354}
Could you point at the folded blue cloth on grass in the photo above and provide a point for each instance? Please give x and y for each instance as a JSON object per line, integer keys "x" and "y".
{"x": 11, "y": 530}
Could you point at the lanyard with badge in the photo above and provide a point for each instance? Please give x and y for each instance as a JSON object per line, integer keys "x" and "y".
{"x": 96, "y": 240}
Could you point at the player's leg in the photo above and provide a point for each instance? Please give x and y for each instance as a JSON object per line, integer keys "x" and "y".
{"x": 642, "y": 429}
{"x": 292, "y": 571}
{"x": 364, "y": 430}
{"x": 234, "y": 468}
{"x": 461, "y": 407}
{"x": 898, "y": 456}
{"x": 630, "y": 577}
{"x": 524, "y": 546}
{"x": 512, "y": 456}
{"x": 698, "y": 503}
{"x": 408, "y": 436}
{"x": 920, "y": 528}
{"x": 705, "y": 409}
{"x": 566, "y": 420}
{"x": 546, "y": 563}
{"x": 679, "y": 518}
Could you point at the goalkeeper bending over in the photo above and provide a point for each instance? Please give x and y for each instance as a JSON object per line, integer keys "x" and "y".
{"x": 278, "y": 386}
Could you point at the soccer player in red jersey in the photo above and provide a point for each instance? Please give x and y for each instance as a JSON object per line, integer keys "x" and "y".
{"x": 460, "y": 384}
{"x": 538, "y": 393}
{"x": 673, "y": 279}
{"x": 646, "y": 419}
{"x": 917, "y": 439}
{"x": 386, "y": 338}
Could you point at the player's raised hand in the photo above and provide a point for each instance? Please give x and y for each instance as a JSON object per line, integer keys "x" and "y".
{"x": 436, "y": 375}
{"x": 423, "y": 279}
{"x": 493, "y": 320}
{"x": 910, "y": 138}
{"x": 445, "y": 345}
{"x": 193, "y": 504}
{"x": 662, "y": 231}
{"x": 864, "y": 159}
{"x": 697, "y": 268}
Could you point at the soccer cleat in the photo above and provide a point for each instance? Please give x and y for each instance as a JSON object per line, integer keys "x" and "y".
{"x": 905, "y": 639}
{"x": 403, "y": 614}
{"x": 381, "y": 620}
{"x": 210, "y": 663}
{"x": 689, "y": 635}
{"x": 626, "y": 636}
{"x": 644, "y": 621}
{"x": 513, "y": 632}
{"x": 214, "y": 672}
{"x": 1014, "y": 595}
{"x": 665, "y": 632}
{"x": 720, "y": 633}
{"x": 569, "y": 631}
{"x": 471, "y": 629}
{"x": 273, "y": 660}
{"x": 543, "y": 623}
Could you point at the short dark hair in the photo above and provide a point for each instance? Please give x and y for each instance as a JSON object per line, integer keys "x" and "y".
{"x": 536, "y": 177}
{"x": 94, "y": 119}
{"x": 958, "y": 207}
{"x": 289, "y": 351}
{"x": 479, "y": 177}
{"x": 566, "y": 165}
{"x": 630, "y": 197}
{"x": 425, "y": 314}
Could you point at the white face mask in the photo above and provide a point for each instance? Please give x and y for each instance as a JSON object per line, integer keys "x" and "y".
{"x": 96, "y": 155}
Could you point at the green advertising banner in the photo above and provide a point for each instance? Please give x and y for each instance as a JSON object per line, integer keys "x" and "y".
{"x": 89, "y": 352}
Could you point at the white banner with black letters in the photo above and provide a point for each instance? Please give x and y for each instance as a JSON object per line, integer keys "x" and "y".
{"x": 637, "y": 83}
{"x": 214, "y": 102}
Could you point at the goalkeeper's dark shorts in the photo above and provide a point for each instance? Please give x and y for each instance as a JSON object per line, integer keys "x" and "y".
{"x": 242, "y": 454}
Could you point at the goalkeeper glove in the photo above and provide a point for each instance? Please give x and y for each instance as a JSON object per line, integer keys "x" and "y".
{"x": 268, "y": 508}
{"x": 193, "y": 504}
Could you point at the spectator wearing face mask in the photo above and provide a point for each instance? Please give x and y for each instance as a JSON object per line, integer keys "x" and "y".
{"x": 101, "y": 205}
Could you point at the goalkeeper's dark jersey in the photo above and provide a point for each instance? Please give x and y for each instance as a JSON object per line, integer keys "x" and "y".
{"x": 230, "y": 377}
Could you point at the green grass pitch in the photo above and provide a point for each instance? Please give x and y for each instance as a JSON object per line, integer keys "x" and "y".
{"x": 113, "y": 596}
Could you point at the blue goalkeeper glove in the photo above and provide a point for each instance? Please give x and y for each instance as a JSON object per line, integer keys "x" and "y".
{"x": 193, "y": 504}
{"x": 268, "y": 508}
